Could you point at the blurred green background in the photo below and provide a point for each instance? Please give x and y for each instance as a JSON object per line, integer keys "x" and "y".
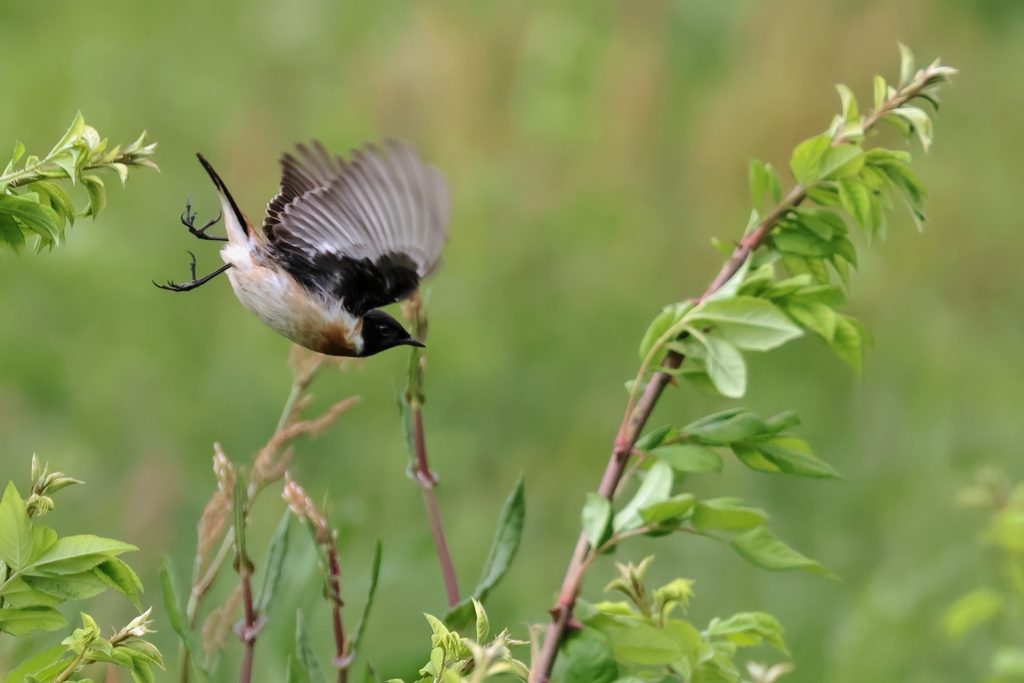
{"x": 592, "y": 148}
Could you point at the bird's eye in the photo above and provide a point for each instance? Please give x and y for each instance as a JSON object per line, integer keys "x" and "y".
{"x": 383, "y": 329}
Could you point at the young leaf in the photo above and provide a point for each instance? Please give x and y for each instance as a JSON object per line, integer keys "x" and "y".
{"x": 850, "y": 112}
{"x": 761, "y": 548}
{"x": 364, "y": 618}
{"x": 880, "y": 93}
{"x": 794, "y": 456}
{"x": 16, "y": 538}
{"x": 674, "y": 508}
{"x": 722, "y": 429}
{"x": 483, "y": 625}
{"x": 727, "y": 513}
{"x": 689, "y": 458}
{"x": 972, "y": 610}
{"x": 906, "y": 65}
{"x": 642, "y": 643}
{"x": 304, "y": 652}
{"x": 97, "y": 195}
{"x": 847, "y": 343}
{"x": 807, "y": 158}
{"x": 59, "y": 557}
{"x": 758, "y": 180}
{"x": 748, "y": 322}
{"x": 596, "y": 517}
{"x": 748, "y": 629}
{"x": 725, "y": 364}
{"x": 655, "y": 488}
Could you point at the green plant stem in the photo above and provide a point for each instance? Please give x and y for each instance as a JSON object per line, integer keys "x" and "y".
{"x": 636, "y": 416}
{"x": 70, "y": 670}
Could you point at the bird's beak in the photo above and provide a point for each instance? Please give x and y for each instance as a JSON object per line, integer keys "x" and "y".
{"x": 414, "y": 342}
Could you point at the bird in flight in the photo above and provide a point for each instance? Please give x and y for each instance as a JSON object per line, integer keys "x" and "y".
{"x": 340, "y": 240}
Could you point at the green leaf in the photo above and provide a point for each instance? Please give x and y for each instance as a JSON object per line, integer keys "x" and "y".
{"x": 645, "y": 644}
{"x": 906, "y": 65}
{"x": 774, "y": 184}
{"x": 674, "y": 508}
{"x": 848, "y": 344}
{"x": 176, "y": 615}
{"x": 748, "y": 322}
{"x": 596, "y": 518}
{"x": 668, "y": 317}
{"x": 655, "y": 438}
{"x": 656, "y": 486}
{"x": 856, "y": 200}
{"x": 34, "y": 216}
{"x": 758, "y": 180}
{"x": 920, "y": 123}
{"x": 801, "y": 243}
{"x": 748, "y": 629}
{"x": 689, "y": 458}
{"x": 19, "y": 594}
{"x": 18, "y": 622}
{"x": 483, "y": 624}
{"x": 722, "y": 429}
{"x": 972, "y": 610}
{"x": 42, "y": 666}
{"x": 750, "y": 456}
{"x": 585, "y": 657}
{"x": 61, "y": 556}
{"x": 840, "y": 161}
{"x": 119, "y": 576}
{"x": 273, "y": 563}
{"x": 69, "y": 586}
{"x": 727, "y": 513}
{"x": 850, "y": 112}
{"x": 16, "y": 538}
{"x": 503, "y": 549}
{"x": 72, "y": 134}
{"x": 97, "y": 195}
{"x": 761, "y": 548}
{"x": 817, "y": 317}
{"x": 725, "y": 364}
{"x": 304, "y": 652}
{"x": 371, "y": 593}
{"x": 807, "y": 156}
{"x": 880, "y": 89}
{"x": 11, "y": 235}
{"x": 794, "y": 456}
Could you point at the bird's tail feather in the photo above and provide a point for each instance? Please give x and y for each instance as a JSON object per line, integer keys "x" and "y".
{"x": 235, "y": 221}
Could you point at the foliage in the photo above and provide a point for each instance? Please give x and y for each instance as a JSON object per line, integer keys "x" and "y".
{"x": 42, "y": 570}
{"x": 43, "y": 208}
{"x": 1004, "y": 532}
{"x": 787, "y": 275}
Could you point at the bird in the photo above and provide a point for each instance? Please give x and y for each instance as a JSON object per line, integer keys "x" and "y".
{"x": 341, "y": 239}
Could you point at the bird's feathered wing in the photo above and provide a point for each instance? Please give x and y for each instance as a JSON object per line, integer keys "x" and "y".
{"x": 363, "y": 231}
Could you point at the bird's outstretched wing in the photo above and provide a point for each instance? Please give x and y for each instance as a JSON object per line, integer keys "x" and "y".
{"x": 362, "y": 231}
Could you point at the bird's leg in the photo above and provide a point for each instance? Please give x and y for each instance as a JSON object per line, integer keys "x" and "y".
{"x": 187, "y": 286}
{"x": 188, "y": 219}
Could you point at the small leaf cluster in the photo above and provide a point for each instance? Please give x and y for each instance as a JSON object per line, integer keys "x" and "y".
{"x": 455, "y": 659}
{"x": 646, "y": 637}
{"x": 1003, "y": 532}
{"x": 41, "y": 570}
{"x": 836, "y": 176}
{"x": 667, "y": 455}
{"x": 127, "y": 649}
{"x": 43, "y": 208}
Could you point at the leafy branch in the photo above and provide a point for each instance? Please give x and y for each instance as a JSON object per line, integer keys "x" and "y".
{"x": 747, "y": 308}
{"x": 44, "y": 208}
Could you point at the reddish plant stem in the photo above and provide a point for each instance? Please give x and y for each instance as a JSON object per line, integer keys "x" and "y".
{"x": 334, "y": 578}
{"x": 629, "y": 431}
{"x": 427, "y": 481}
{"x": 249, "y": 632}
{"x": 636, "y": 418}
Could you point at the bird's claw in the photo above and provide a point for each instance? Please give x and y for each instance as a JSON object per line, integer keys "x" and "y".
{"x": 188, "y": 219}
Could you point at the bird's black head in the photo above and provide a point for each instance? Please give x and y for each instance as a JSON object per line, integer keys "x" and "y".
{"x": 381, "y": 332}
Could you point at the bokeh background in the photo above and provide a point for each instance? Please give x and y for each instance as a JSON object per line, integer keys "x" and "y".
{"x": 592, "y": 148}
